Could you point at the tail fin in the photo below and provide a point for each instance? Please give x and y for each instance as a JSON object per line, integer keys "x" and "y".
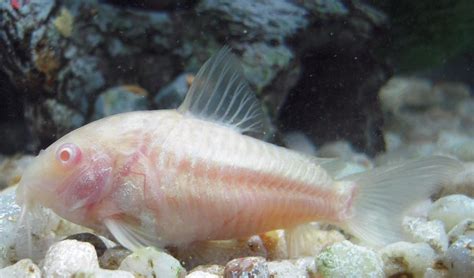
{"x": 384, "y": 193}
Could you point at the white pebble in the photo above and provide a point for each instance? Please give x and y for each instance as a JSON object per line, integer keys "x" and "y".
{"x": 150, "y": 262}
{"x": 46, "y": 226}
{"x": 67, "y": 257}
{"x": 403, "y": 257}
{"x": 308, "y": 264}
{"x": 22, "y": 269}
{"x": 400, "y": 92}
{"x": 435, "y": 273}
{"x": 202, "y": 274}
{"x": 460, "y": 258}
{"x": 392, "y": 141}
{"x": 9, "y": 212}
{"x": 459, "y": 145}
{"x": 452, "y": 210}
{"x": 214, "y": 269}
{"x": 104, "y": 273}
{"x": 344, "y": 259}
{"x": 464, "y": 228}
{"x": 431, "y": 232}
{"x": 300, "y": 142}
{"x": 284, "y": 269}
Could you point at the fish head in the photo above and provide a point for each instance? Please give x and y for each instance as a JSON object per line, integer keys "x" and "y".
{"x": 70, "y": 177}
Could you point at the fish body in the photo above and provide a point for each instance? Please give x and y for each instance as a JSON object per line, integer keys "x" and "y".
{"x": 174, "y": 177}
{"x": 189, "y": 180}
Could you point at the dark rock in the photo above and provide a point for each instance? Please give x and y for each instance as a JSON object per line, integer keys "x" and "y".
{"x": 120, "y": 99}
{"x": 256, "y": 20}
{"x": 174, "y": 93}
{"x": 154, "y": 4}
{"x": 98, "y": 244}
{"x": 66, "y": 54}
{"x": 13, "y": 131}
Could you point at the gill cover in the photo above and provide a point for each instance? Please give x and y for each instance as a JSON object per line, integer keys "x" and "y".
{"x": 86, "y": 185}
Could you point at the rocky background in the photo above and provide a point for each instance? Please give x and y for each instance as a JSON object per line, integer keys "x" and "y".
{"x": 66, "y": 63}
{"x": 371, "y": 83}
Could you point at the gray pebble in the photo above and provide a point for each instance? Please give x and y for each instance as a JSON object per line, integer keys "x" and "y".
{"x": 247, "y": 267}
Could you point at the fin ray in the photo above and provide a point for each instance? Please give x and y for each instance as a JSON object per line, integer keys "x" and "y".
{"x": 130, "y": 237}
{"x": 220, "y": 93}
{"x": 385, "y": 193}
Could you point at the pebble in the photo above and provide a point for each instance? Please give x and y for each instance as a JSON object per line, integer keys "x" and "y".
{"x": 400, "y": 92}
{"x": 300, "y": 142}
{"x": 207, "y": 271}
{"x": 464, "y": 228}
{"x": 150, "y": 262}
{"x": 11, "y": 169}
{"x": 344, "y": 259}
{"x": 68, "y": 257}
{"x": 202, "y": 274}
{"x": 452, "y": 209}
{"x": 284, "y": 269}
{"x": 431, "y": 232}
{"x": 46, "y": 229}
{"x": 436, "y": 273}
{"x": 104, "y": 273}
{"x": 22, "y": 269}
{"x": 173, "y": 94}
{"x": 98, "y": 244}
{"x": 337, "y": 149}
{"x": 407, "y": 258}
{"x": 113, "y": 257}
{"x": 9, "y": 211}
{"x": 459, "y": 145}
{"x": 419, "y": 210}
{"x": 460, "y": 258}
{"x": 222, "y": 251}
{"x": 453, "y": 93}
{"x": 393, "y": 141}
{"x": 247, "y": 267}
{"x": 120, "y": 99}
{"x": 308, "y": 264}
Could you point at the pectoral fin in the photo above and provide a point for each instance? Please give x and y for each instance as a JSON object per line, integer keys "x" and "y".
{"x": 131, "y": 236}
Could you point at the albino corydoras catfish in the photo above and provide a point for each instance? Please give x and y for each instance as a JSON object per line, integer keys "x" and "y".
{"x": 187, "y": 175}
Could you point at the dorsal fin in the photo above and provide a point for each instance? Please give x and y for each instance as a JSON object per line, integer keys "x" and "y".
{"x": 219, "y": 93}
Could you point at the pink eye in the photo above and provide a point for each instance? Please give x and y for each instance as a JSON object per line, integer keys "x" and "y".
{"x": 68, "y": 154}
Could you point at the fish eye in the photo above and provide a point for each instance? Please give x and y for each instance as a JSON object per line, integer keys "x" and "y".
{"x": 68, "y": 154}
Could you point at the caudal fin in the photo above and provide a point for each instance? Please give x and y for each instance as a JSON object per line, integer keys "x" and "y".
{"x": 385, "y": 193}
